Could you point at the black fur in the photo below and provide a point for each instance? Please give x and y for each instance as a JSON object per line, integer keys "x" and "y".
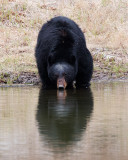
{"x": 61, "y": 42}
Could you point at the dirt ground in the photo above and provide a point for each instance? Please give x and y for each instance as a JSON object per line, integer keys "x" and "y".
{"x": 104, "y": 24}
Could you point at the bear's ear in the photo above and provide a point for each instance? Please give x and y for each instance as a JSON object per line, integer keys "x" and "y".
{"x": 50, "y": 60}
{"x": 72, "y": 59}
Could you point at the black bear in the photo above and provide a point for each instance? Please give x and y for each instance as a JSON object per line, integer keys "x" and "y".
{"x": 62, "y": 56}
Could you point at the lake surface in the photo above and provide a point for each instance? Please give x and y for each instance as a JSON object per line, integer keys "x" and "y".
{"x": 89, "y": 124}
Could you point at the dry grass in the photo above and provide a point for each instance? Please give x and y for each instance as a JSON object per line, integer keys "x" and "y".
{"x": 103, "y": 22}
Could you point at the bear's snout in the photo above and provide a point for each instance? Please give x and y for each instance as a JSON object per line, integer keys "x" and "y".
{"x": 61, "y": 83}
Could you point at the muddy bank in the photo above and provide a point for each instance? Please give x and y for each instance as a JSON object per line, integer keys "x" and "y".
{"x": 27, "y": 78}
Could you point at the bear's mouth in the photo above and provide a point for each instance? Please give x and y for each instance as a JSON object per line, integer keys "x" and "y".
{"x": 61, "y": 83}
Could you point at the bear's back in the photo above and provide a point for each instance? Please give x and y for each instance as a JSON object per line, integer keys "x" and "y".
{"x": 60, "y": 22}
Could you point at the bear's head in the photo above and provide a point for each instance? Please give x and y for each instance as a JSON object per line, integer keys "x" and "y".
{"x": 62, "y": 72}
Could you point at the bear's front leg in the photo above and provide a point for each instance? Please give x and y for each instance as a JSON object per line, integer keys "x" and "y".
{"x": 83, "y": 79}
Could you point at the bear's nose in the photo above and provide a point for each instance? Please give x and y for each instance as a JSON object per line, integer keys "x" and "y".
{"x": 61, "y": 87}
{"x": 60, "y": 84}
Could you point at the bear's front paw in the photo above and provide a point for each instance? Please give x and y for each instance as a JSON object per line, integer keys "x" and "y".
{"x": 86, "y": 85}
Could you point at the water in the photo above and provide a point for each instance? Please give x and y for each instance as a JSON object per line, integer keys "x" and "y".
{"x": 87, "y": 124}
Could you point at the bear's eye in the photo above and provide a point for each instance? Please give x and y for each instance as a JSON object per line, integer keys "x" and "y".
{"x": 56, "y": 75}
{"x": 64, "y": 74}
{"x": 73, "y": 59}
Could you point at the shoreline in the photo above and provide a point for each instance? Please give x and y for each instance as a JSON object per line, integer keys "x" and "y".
{"x": 37, "y": 83}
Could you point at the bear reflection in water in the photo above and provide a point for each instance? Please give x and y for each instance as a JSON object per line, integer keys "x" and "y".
{"x": 63, "y": 115}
